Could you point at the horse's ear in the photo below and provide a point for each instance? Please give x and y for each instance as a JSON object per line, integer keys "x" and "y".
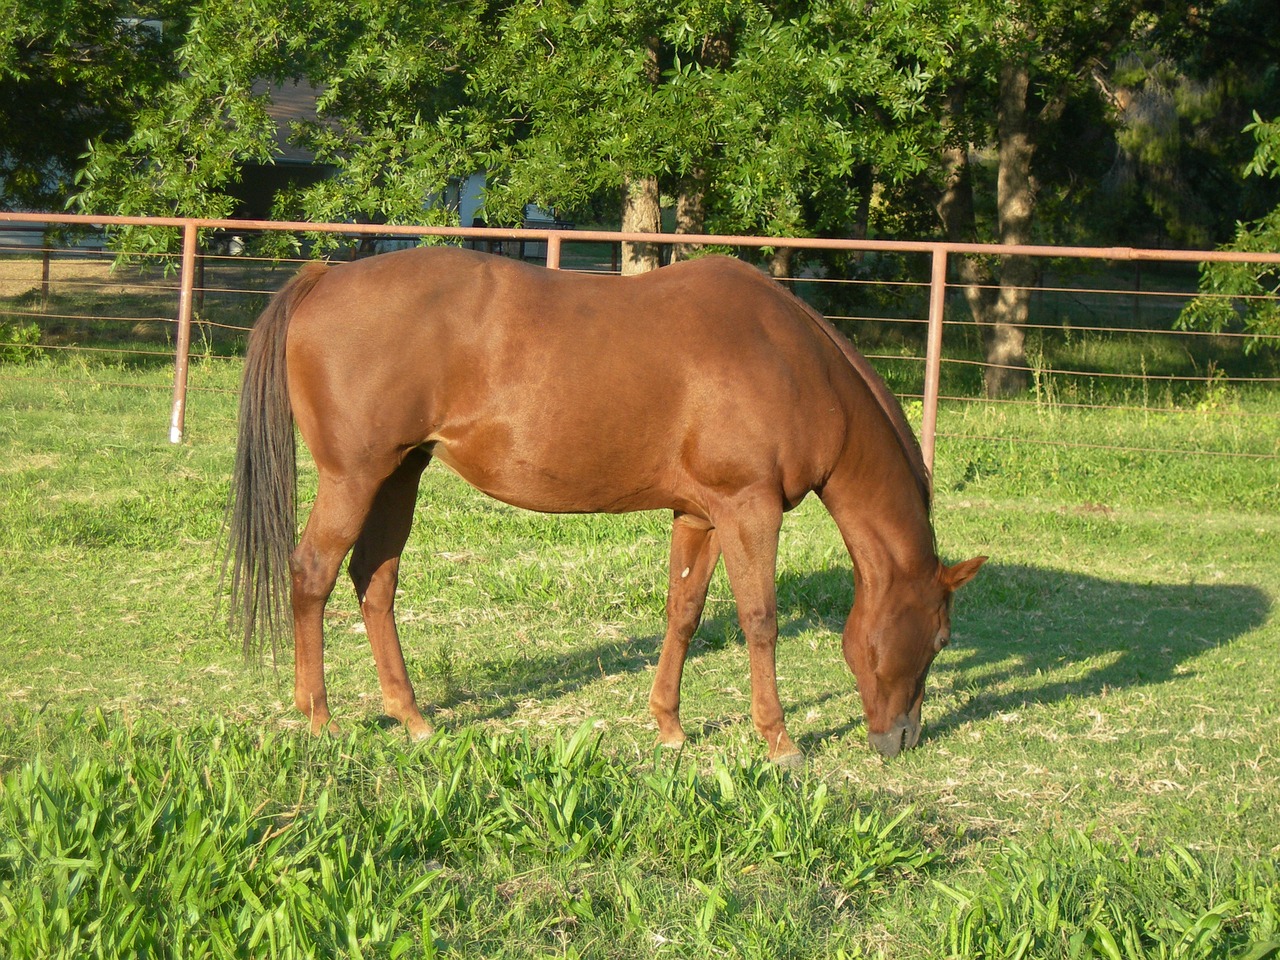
{"x": 953, "y": 578}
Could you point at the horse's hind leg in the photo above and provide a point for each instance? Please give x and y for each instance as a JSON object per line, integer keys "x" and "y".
{"x": 336, "y": 520}
{"x": 694, "y": 552}
{"x": 374, "y": 568}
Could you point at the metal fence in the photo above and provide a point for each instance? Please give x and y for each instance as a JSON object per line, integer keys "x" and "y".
{"x": 894, "y": 298}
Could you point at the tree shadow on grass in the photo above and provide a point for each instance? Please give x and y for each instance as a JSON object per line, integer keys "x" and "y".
{"x": 1024, "y": 635}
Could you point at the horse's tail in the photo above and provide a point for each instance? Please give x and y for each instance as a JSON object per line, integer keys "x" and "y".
{"x": 262, "y": 513}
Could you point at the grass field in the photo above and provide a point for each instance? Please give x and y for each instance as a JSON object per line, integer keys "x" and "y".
{"x": 1098, "y": 774}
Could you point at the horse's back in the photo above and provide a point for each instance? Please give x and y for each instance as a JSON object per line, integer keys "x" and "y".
{"x": 560, "y": 391}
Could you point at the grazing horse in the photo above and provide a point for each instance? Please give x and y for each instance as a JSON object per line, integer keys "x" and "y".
{"x": 703, "y": 388}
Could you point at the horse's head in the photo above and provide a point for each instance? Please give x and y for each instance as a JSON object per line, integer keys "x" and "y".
{"x": 890, "y": 641}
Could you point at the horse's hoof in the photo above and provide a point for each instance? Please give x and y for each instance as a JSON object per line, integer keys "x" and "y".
{"x": 790, "y": 761}
{"x": 671, "y": 735}
{"x": 420, "y": 731}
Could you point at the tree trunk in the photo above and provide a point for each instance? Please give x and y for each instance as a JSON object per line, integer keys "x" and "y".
{"x": 1006, "y": 349}
{"x": 955, "y": 209}
{"x": 691, "y": 213}
{"x": 691, "y": 192}
{"x": 864, "y": 179}
{"x": 780, "y": 262}
{"x": 641, "y": 213}
{"x": 641, "y": 198}
{"x": 1000, "y": 306}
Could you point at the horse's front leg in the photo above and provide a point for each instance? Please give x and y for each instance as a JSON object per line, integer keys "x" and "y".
{"x": 749, "y": 539}
{"x": 694, "y": 552}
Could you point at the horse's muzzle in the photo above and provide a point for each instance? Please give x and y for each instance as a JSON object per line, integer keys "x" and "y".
{"x": 903, "y": 734}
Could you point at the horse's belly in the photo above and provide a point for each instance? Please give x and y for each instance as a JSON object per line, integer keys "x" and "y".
{"x": 574, "y": 483}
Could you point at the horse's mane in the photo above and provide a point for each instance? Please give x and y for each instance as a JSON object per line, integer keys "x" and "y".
{"x": 884, "y": 396}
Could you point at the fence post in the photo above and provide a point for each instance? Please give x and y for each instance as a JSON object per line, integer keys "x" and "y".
{"x": 553, "y": 250}
{"x": 182, "y": 353}
{"x": 44, "y": 276}
{"x": 933, "y": 356}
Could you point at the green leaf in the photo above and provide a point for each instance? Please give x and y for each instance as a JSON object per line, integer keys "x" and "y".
{"x": 1260, "y": 950}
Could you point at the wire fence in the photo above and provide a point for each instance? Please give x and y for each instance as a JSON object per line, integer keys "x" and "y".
{"x": 1103, "y": 334}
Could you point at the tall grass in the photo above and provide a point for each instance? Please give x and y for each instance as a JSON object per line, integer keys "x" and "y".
{"x": 223, "y": 842}
{"x": 218, "y": 841}
{"x": 1075, "y": 896}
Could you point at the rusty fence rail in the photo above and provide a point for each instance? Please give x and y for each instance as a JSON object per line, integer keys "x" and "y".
{"x": 931, "y": 287}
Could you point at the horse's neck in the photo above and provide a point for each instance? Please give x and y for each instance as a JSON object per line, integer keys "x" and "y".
{"x": 884, "y": 522}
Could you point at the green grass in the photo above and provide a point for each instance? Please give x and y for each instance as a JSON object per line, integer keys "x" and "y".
{"x": 224, "y": 841}
{"x": 1098, "y": 774}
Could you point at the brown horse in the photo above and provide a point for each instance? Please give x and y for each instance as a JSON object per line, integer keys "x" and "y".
{"x": 703, "y": 388}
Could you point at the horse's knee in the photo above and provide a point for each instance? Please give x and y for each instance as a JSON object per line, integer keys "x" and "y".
{"x": 759, "y": 623}
{"x": 684, "y": 613}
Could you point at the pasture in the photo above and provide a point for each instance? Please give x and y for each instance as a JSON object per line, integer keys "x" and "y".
{"x": 1098, "y": 774}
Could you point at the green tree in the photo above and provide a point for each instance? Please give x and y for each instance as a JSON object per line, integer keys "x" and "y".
{"x": 392, "y": 78}
{"x": 1179, "y": 95}
{"x": 385, "y": 72}
{"x": 1243, "y": 295}
{"x": 1028, "y": 155}
{"x": 1234, "y": 54}
{"x": 71, "y": 72}
{"x": 749, "y": 116}
{"x": 189, "y": 142}
{"x": 1024, "y": 74}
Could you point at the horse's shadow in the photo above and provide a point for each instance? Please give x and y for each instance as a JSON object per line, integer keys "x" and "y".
{"x": 1085, "y": 634}
{"x": 1028, "y": 635}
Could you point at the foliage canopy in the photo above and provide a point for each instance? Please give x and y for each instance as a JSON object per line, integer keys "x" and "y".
{"x": 787, "y": 117}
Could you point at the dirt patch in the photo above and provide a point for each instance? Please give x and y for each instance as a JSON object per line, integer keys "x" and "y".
{"x": 22, "y": 277}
